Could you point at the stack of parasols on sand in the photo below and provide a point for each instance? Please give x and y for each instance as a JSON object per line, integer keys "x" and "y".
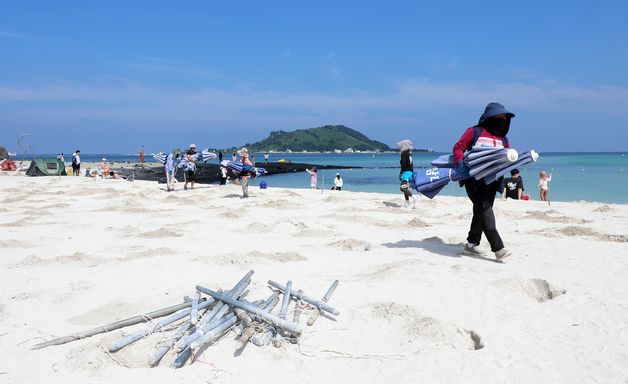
{"x": 192, "y": 326}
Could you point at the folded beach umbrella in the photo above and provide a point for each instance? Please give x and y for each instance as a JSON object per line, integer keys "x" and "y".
{"x": 525, "y": 158}
{"x": 479, "y": 170}
{"x": 237, "y": 166}
{"x": 431, "y": 181}
{"x": 477, "y": 156}
{"x": 208, "y": 155}
{"x": 444, "y": 161}
{"x": 484, "y": 163}
{"x": 161, "y": 157}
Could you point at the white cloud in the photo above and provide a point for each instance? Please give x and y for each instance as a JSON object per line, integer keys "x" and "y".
{"x": 406, "y": 97}
{"x": 11, "y": 35}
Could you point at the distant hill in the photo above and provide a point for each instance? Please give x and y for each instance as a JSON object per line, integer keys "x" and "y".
{"x": 326, "y": 138}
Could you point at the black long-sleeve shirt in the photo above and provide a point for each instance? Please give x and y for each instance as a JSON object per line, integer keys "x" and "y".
{"x": 406, "y": 162}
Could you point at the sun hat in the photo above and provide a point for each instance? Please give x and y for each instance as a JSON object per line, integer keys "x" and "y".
{"x": 494, "y": 109}
{"x": 192, "y": 145}
{"x": 404, "y": 145}
{"x": 103, "y": 159}
{"x": 337, "y": 174}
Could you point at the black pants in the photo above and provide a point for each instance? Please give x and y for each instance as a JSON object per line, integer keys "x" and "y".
{"x": 223, "y": 180}
{"x": 483, "y": 196}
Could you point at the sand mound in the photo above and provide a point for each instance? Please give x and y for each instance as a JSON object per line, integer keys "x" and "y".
{"x": 547, "y": 216}
{"x": 395, "y": 268}
{"x": 159, "y": 233}
{"x": 333, "y": 199}
{"x": 424, "y": 331}
{"x": 537, "y": 289}
{"x": 257, "y": 227}
{"x": 584, "y": 231}
{"x": 151, "y": 252}
{"x": 15, "y": 244}
{"x": 352, "y": 245}
{"x": 254, "y": 257}
{"x": 417, "y": 223}
{"x": 603, "y": 208}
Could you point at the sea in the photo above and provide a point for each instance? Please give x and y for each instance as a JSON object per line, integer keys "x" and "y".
{"x": 576, "y": 176}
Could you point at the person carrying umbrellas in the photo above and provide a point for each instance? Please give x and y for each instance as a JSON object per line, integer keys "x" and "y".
{"x": 491, "y": 131}
{"x": 171, "y": 168}
{"x": 247, "y": 168}
{"x": 406, "y": 171}
{"x": 191, "y": 167}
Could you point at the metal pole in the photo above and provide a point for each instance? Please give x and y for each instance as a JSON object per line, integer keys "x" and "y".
{"x": 286, "y": 301}
{"x": 325, "y": 299}
{"x": 194, "y": 313}
{"x": 317, "y": 303}
{"x": 251, "y": 329}
{"x": 295, "y": 329}
{"x": 216, "y": 329}
{"x": 296, "y": 316}
{"x": 187, "y": 352}
{"x": 115, "y": 325}
{"x": 165, "y": 347}
{"x": 202, "y": 329}
{"x": 162, "y": 323}
{"x": 278, "y": 340}
{"x": 218, "y": 311}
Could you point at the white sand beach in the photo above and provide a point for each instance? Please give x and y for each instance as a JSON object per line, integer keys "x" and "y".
{"x": 78, "y": 253}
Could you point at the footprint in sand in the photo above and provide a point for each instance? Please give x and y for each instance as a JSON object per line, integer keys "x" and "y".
{"x": 391, "y": 204}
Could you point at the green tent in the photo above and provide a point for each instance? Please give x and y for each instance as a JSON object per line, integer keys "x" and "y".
{"x": 46, "y": 167}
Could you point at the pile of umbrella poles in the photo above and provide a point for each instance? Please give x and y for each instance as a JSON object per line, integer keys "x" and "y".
{"x": 482, "y": 163}
{"x": 200, "y": 321}
{"x": 205, "y": 156}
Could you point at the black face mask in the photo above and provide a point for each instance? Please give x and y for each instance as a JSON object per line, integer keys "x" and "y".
{"x": 497, "y": 127}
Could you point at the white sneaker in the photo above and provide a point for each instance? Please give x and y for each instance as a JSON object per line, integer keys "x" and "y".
{"x": 502, "y": 254}
{"x": 472, "y": 249}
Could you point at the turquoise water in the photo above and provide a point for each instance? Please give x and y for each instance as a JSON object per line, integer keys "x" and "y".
{"x": 601, "y": 177}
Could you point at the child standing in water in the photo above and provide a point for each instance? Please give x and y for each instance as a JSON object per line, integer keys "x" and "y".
{"x": 543, "y": 185}
{"x": 313, "y": 177}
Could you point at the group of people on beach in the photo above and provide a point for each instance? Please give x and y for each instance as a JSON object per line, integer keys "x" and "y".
{"x": 491, "y": 130}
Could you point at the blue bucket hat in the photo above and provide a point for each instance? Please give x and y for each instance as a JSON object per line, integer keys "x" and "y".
{"x": 494, "y": 109}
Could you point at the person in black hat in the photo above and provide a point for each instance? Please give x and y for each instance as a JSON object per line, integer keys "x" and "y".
{"x": 491, "y": 130}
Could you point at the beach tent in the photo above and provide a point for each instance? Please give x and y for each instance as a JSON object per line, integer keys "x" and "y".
{"x": 46, "y": 167}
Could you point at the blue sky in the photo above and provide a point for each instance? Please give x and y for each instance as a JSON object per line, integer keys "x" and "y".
{"x": 111, "y": 76}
